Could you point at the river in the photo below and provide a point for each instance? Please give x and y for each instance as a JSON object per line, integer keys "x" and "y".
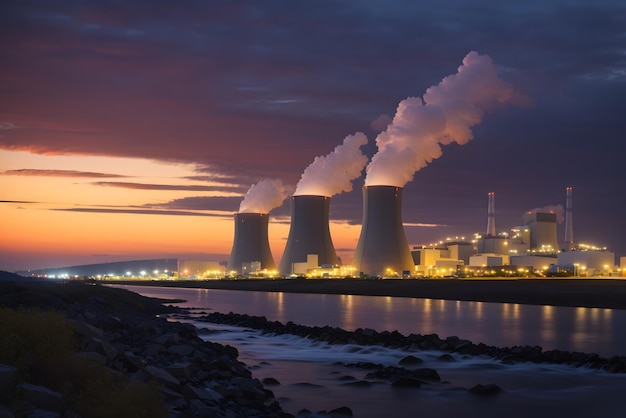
{"x": 310, "y": 377}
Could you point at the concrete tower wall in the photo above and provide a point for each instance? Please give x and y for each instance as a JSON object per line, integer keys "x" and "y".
{"x": 309, "y": 233}
{"x": 251, "y": 242}
{"x": 382, "y": 244}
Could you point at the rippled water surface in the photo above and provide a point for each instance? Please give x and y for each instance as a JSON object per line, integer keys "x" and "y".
{"x": 502, "y": 324}
{"x": 310, "y": 376}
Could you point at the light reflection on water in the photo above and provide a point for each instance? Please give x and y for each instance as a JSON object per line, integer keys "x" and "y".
{"x": 501, "y": 324}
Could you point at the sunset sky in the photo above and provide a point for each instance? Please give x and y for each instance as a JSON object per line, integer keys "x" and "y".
{"x": 133, "y": 129}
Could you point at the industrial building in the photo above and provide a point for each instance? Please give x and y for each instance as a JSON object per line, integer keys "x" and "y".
{"x": 155, "y": 269}
{"x": 531, "y": 247}
{"x": 588, "y": 261}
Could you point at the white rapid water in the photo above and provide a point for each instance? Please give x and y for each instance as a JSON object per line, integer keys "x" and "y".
{"x": 311, "y": 378}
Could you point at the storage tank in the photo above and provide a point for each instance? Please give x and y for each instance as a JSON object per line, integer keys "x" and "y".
{"x": 382, "y": 248}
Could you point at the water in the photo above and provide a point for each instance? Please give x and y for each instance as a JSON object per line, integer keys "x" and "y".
{"x": 502, "y": 324}
{"x": 310, "y": 377}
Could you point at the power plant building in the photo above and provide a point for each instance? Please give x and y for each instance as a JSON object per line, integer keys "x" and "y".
{"x": 588, "y": 262}
{"x": 382, "y": 249}
{"x": 498, "y": 244}
{"x": 543, "y": 236}
{"x": 309, "y": 234}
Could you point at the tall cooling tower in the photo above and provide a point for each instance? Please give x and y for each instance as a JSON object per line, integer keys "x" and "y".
{"x": 491, "y": 216}
{"x": 568, "y": 245}
{"x": 309, "y": 233}
{"x": 251, "y": 242}
{"x": 382, "y": 246}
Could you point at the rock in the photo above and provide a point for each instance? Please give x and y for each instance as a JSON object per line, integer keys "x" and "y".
{"x": 8, "y": 377}
{"x": 41, "y": 397}
{"x": 343, "y": 411}
{"x": 368, "y": 332}
{"x": 167, "y": 339}
{"x": 107, "y": 349}
{"x": 410, "y": 360}
{"x": 181, "y": 349}
{"x": 42, "y": 413}
{"x": 92, "y": 355}
{"x": 446, "y": 358}
{"x": 359, "y": 384}
{"x": 152, "y": 350}
{"x": 426, "y": 373}
{"x": 5, "y": 413}
{"x": 485, "y": 390}
{"x": 135, "y": 360}
{"x": 162, "y": 376}
{"x": 406, "y": 382}
{"x": 270, "y": 381}
{"x": 182, "y": 370}
{"x": 204, "y": 394}
{"x": 84, "y": 329}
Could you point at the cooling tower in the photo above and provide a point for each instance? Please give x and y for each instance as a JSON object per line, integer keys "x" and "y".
{"x": 251, "y": 242}
{"x": 382, "y": 248}
{"x": 568, "y": 244}
{"x": 491, "y": 216}
{"x": 309, "y": 233}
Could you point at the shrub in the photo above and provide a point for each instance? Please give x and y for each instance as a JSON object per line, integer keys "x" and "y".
{"x": 41, "y": 345}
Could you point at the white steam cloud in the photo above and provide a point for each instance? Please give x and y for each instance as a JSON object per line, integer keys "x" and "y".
{"x": 263, "y": 197}
{"x": 556, "y": 209}
{"x": 333, "y": 174}
{"x": 444, "y": 115}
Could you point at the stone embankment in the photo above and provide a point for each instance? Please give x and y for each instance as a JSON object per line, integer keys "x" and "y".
{"x": 507, "y": 355}
{"x": 196, "y": 378}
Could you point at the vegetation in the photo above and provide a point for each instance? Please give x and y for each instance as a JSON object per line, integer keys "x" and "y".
{"x": 41, "y": 345}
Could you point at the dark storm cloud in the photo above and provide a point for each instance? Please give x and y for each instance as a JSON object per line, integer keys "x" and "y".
{"x": 257, "y": 89}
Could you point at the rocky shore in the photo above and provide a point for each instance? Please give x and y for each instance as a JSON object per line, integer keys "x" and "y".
{"x": 394, "y": 339}
{"x": 124, "y": 332}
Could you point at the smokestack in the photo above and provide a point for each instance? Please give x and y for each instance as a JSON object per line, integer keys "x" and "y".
{"x": 569, "y": 232}
{"x": 491, "y": 216}
{"x": 382, "y": 246}
{"x": 251, "y": 242}
{"x": 309, "y": 233}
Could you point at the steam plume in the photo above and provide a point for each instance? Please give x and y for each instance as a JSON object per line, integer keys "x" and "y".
{"x": 263, "y": 197}
{"x": 333, "y": 173}
{"x": 557, "y": 209}
{"x": 444, "y": 115}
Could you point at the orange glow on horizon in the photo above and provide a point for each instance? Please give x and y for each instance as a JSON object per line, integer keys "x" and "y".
{"x": 51, "y": 214}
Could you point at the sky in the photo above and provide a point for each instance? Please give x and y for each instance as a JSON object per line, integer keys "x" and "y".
{"x": 134, "y": 129}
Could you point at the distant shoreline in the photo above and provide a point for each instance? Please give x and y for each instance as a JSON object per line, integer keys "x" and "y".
{"x": 590, "y": 293}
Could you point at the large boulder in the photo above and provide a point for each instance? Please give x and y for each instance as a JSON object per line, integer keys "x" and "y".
{"x": 41, "y": 397}
{"x": 8, "y": 377}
